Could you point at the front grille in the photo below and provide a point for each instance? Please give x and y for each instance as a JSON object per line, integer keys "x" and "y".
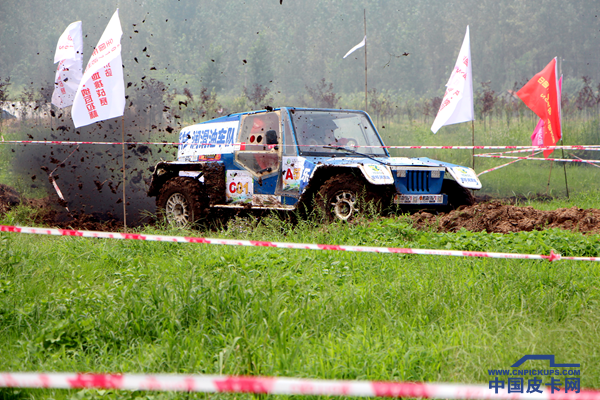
{"x": 417, "y": 181}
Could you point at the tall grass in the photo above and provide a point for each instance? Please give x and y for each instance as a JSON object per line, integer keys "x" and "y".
{"x": 75, "y": 304}
{"x": 523, "y": 178}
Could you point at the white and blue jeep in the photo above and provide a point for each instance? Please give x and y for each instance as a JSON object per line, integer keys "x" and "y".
{"x": 290, "y": 158}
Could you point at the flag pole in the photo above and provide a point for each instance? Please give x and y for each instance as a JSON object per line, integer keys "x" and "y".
{"x": 562, "y": 140}
{"x": 123, "y": 149}
{"x": 549, "y": 175}
{"x": 365, "y": 20}
{"x": 565, "y": 167}
{"x": 473, "y": 143}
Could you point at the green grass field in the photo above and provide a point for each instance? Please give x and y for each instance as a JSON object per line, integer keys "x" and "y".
{"x": 76, "y": 304}
{"x": 524, "y": 178}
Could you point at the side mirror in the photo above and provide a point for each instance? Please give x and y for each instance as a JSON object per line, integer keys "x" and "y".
{"x": 271, "y": 137}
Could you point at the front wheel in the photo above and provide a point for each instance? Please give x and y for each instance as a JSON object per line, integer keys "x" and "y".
{"x": 344, "y": 196}
{"x": 181, "y": 200}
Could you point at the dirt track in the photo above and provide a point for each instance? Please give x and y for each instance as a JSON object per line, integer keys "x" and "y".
{"x": 488, "y": 216}
{"x": 48, "y": 212}
{"x": 501, "y": 218}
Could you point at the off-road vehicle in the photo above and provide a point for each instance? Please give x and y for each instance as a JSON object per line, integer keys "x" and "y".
{"x": 287, "y": 158}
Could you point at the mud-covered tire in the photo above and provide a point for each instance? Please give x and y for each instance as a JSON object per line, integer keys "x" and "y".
{"x": 181, "y": 201}
{"x": 343, "y": 197}
{"x": 457, "y": 195}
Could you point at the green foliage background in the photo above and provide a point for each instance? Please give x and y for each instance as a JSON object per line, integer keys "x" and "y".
{"x": 299, "y": 42}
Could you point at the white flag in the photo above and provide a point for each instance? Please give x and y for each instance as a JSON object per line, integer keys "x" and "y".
{"x": 457, "y": 104}
{"x": 101, "y": 93}
{"x": 358, "y": 46}
{"x": 70, "y": 43}
{"x": 69, "y": 58}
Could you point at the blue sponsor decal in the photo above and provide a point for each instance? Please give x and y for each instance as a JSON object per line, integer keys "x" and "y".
{"x": 473, "y": 180}
{"x": 306, "y": 172}
{"x": 206, "y": 138}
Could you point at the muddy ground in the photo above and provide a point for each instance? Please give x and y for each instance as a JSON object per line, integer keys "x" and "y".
{"x": 496, "y": 217}
{"x": 487, "y": 215}
{"x": 49, "y": 212}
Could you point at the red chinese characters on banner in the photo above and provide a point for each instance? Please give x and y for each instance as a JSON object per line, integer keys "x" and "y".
{"x": 89, "y": 102}
{"x": 444, "y": 104}
{"x": 103, "y": 46}
{"x": 100, "y": 92}
{"x": 61, "y": 86}
{"x": 459, "y": 75}
{"x": 60, "y": 83}
{"x": 103, "y": 77}
{"x": 457, "y": 104}
{"x": 68, "y": 45}
{"x": 99, "y": 87}
{"x": 99, "y": 51}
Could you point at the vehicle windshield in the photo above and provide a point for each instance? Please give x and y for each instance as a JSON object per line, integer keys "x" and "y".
{"x": 323, "y": 133}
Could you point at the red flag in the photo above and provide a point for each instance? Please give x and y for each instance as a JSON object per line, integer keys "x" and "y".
{"x": 537, "y": 137}
{"x": 541, "y": 95}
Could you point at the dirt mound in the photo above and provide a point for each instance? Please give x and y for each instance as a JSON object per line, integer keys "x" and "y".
{"x": 85, "y": 222}
{"x": 49, "y": 212}
{"x": 8, "y": 198}
{"x": 494, "y": 217}
{"x": 487, "y": 216}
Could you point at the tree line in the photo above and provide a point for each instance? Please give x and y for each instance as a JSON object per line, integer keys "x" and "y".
{"x": 230, "y": 47}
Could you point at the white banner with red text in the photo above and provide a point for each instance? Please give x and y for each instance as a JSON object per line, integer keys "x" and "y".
{"x": 101, "y": 93}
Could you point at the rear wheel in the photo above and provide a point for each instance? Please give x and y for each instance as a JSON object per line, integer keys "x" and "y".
{"x": 457, "y": 195}
{"x": 181, "y": 200}
{"x": 345, "y": 196}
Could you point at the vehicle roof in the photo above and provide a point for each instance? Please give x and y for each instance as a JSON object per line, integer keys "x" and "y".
{"x": 236, "y": 116}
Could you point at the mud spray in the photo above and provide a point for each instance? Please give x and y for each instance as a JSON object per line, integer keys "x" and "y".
{"x": 90, "y": 176}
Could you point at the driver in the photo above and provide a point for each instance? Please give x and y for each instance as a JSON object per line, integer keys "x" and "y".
{"x": 317, "y": 133}
{"x": 327, "y": 133}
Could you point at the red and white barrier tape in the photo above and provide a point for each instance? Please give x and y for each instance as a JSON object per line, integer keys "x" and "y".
{"x": 53, "y": 181}
{"x": 515, "y": 151}
{"x": 573, "y": 147}
{"x": 71, "y": 143}
{"x": 507, "y": 164}
{"x": 284, "y": 245}
{"x": 276, "y": 386}
{"x": 58, "y": 192}
{"x": 537, "y": 159}
{"x": 587, "y": 162}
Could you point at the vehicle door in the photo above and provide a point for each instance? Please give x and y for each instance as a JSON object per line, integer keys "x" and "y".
{"x": 259, "y": 158}
{"x": 294, "y": 169}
